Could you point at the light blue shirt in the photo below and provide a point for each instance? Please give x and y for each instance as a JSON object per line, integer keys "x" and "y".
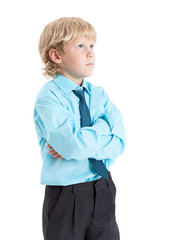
{"x": 57, "y": 122}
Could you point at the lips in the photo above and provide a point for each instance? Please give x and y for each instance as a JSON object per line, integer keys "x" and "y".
{"x": 90, "y": 64}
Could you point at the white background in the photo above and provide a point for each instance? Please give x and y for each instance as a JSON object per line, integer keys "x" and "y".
{"x": 133, "y": 66}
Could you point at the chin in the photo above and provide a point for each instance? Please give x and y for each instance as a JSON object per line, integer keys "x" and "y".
{"x": 89, "y": 74}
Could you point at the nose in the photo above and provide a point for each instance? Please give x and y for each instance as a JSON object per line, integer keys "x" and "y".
{"x": 90, "y": 52}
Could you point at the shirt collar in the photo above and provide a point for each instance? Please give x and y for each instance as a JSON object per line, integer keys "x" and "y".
{"x": 67, "y": 85}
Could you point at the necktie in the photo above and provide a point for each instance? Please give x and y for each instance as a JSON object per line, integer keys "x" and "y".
{"x": 85, "y": 121}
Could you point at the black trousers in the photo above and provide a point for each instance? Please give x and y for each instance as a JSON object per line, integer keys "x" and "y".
{"x": 84, "y": 211}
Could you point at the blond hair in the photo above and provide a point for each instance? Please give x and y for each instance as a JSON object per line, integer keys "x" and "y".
{"x": 56, "y": 34}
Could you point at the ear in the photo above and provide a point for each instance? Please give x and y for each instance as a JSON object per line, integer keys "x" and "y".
{"x": 54, "y": 55}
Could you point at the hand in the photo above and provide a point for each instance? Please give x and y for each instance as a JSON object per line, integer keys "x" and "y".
{"x": 54, "y": 153}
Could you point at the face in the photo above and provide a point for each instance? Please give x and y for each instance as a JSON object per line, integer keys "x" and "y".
{"x": 78, "y": 60}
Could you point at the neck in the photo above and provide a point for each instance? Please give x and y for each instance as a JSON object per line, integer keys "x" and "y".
{"x": 78, "y": 81}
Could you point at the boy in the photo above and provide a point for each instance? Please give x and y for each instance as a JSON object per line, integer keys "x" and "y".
{"x": 80, "y": 132}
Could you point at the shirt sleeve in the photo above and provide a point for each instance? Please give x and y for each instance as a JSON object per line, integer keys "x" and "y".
{"x": 57, "y": 125}
{"x": 113, "y": 117}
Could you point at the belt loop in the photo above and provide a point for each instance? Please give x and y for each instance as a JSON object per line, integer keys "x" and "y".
{"x": 109, "y": 177}
{"x": 73, "y": 189}
{"x": 107, "y": 182}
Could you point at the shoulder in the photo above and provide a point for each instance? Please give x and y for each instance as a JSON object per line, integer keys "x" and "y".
{"x": 48, "y": 90}
{"x": 101, "y": 96}
{"x": 96, "y": 89}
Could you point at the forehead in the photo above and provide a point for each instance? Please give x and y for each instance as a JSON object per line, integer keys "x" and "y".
{"x": 83, "y": 39}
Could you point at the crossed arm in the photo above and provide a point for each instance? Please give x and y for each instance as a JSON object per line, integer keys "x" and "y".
{"x": 104, "y": 139}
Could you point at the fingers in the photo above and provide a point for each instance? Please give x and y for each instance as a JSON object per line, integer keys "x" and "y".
{"x": 51, "y": 151}
{"x": 54, "y": 153}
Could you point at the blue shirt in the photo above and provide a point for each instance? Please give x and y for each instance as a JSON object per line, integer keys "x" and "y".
{"x": 57, "y": 122}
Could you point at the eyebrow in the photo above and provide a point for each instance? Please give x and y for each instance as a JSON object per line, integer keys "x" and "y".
{"x": 83, "y": 42}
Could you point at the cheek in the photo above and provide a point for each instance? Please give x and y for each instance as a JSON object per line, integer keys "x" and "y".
{"x": 76, "y": 61}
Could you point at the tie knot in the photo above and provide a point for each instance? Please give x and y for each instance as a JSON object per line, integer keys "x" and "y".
{"x": 79, "y": 94}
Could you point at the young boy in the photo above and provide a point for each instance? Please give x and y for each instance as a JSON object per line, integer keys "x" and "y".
{"x": 80, "y": 132}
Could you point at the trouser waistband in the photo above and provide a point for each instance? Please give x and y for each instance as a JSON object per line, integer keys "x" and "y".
{"x": 86, "y": 185}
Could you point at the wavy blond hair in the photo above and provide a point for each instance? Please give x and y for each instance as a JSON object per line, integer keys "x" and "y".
{"x": 56, "y": 34}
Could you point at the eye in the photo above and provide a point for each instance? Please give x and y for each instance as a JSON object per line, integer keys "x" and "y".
{"x": 81, "y": 46}
{"x": 92, "y": 46}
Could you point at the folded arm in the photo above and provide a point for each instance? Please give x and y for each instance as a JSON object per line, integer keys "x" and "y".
{"x": 57, "y": 125}
{"x": 114, "y": 119}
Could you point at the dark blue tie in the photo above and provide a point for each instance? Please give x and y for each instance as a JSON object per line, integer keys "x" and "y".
{"x": 85, "y": 121}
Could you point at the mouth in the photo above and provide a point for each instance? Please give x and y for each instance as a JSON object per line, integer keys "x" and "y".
{"x": 90, "y": 64}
